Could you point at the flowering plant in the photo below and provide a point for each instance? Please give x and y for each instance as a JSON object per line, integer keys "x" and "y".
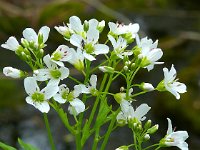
{"x": 123, "y": 54}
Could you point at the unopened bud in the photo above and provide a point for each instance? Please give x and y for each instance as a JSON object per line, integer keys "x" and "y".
{"x": 106, "y": 69}
{"x": 146, "y": 87}
{"x": 146, "y": 137}
{"x": 126, "y": 68}
{"x": 122, "y": 148}
{"x": 153, "y": 129}
{"x": 119, "y": 96}
{"x": 147, "y": 124}
{"x": 101, "y": 26}
{"x": 13, "y": 72}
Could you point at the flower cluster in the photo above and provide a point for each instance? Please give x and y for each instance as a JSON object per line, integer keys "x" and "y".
{"x": 125, "y": 54}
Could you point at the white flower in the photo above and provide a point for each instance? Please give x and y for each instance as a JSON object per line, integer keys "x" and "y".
{"x": 120, "y": 29}
{"x": 13, "y": 72}
{"x": 11, "y": 44}
{"x": 149, "y": 52}
{"x": 128, "y": 112}
{"x": 175, "y": 138}
{"x": 62, "y": 53}
{"x": 90, "y": 88}
{"x": 89, "y": 45}
{"x": 171, "y": 83}
{"x": 52, "y": 72}
{"x": 76, "y": 105}
{"x": 77, "y": 59}
{"x": 119, "y": 46}
{"x": 39, "y": 98}
{"x": 30, "y": 35}
{"x": 64, "y": 30}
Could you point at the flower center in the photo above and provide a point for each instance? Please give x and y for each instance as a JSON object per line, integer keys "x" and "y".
{"x": 56, "y": 56}
{"x": 55, "y": 74}
{"x": 89, "y": 48}
{"x": 38, "y": 97}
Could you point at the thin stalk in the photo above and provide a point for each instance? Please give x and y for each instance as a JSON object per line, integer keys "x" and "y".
{"x": 152, "y": 146}
{"x": 49, "y": 131}
{"x": 110, "y": 129}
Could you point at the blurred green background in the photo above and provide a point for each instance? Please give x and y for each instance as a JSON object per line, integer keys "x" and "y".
{"x": 176, "y": 23}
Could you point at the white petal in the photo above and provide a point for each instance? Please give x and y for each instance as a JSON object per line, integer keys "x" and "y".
{"x": 42, "y": 75}
{"x": 169, "y": 75}
{"x": 112, "y": 40}
{"x": 88, "y": 56}
{"x": 11, "y": 44}
{"x": 155, "y": 55}
{"x": 48, "y": 62}
{"x": 67, "y": 52}
{"x": 93, "y": 23}
{"x": 59, "y": 99}
{"x": 101, "y": 49}
{"x": 179, "y": 87}
{"x": 141, "y": 111}
{"x": 169, "y": 130}
{"x": 75, "y": 24}
{"x": 92, "y": 35}
{"x": 12, "y": 72}
{"x": 30, "y": 85}
{"x": 183, "y": 146}
{"x": 43, "y": 107}
{"x": 84, "y": 89}
{"x": 78, "y": 105}
{"x": 93, "y": 81}
{"x": 64, "y": 72}
{"x": 45, "y": 32}
{"x": 30, "y": 35}
{"x": 173, "y": 91}
{"x": 76, "y": 40}
{"x": 50, "y": 90}
{"x": 77, "y": 90}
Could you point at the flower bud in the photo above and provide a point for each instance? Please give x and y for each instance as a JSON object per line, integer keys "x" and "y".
{"x": 146, "y": 137}
{"x": 153, "y": 129}
{"x": 146, "y": 86}
{"x": 86, "y": 25}
{"x": 24, "y": 42}
{"x": 101, "y": 26}
{"x": 119, "y": 96}
{"x": 13, "y": 72}
{"x": 106, "y": 69}
{"x": 124, "y": 147}
{"x": 147, "y": 124}
{"x": 126, "y": 68}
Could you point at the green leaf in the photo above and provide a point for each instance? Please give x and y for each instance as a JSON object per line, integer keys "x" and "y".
{"x": 26, "y": 146}
{"x": 6, "y": 147}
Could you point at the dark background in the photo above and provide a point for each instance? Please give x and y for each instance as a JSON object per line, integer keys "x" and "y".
{"x": 175, "y": 23}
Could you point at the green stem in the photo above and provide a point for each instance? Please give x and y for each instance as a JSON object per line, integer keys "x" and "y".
{"x": 110, "y": 129}
{"x": 49, "y": 131}
{"x": 135, "y": 141}
{"x": 152, "y": 146}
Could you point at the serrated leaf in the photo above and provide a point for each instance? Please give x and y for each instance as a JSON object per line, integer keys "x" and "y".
{"x": 26, "y": 146}
{"x": 6, "y": 147}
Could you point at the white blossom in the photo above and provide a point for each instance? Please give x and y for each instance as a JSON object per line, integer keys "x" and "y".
{"x": 39, "y": 98}
{"x": 11, "y": 44}
{"x": 89, "y": 44}
{"x": 91, "y": 88}
{"x": 52, "y": 71}
{"x": 31, "y": 36}
{"x": 171, "y": 84}
{"x": 61, "y": 54}
{"x": 120, "y": 29}
{"x": 175, "y": 138}
{"x": 12, "y": 72}
{"x": 149, "y": 53}
{"x": 119, "y": 46}
{"x": 127, "y": 112}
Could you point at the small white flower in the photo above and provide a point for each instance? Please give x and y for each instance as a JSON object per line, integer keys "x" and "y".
{"x": 11, "y": 44}
{"x": 30, "y": 35}
{"x": 89, "y": 45}
{"x": 52, "y": 72}
{"x": 64, "y": 30}
{"x": 128, "y": 112}
{"x": 62, "y": 53}
{"x": 149, "y": 52}
{"x": 171, "y": 84}
{"x": 119, "y": 46}
{"x": 13, "y": 72}
{"x": 39, "y": 98}
{"x": 175, "y": 138}
{"x": 120, "y": 29}
{"x": 77, "y": 59}
{"x": 90, "y": 88}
